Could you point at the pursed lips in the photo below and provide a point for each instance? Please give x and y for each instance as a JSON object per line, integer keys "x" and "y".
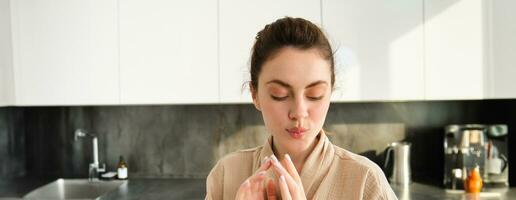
{"x": 296, "y": 132}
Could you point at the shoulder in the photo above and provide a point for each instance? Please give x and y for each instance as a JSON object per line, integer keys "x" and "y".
{"x": 241, "y": 156}
{"x": 236, "y": 162}
{"x": 374, "y": 184}
{"x": 356, "y": 161}
{"x": 229, "y": 172}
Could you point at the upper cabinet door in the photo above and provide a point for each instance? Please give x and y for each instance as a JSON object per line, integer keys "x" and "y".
{"x": 239, "y": 23}
{"x": 6, "y": 73}
{"x": 455, "y": 52}
{"x": 379, "y": 48}
{"x": 65, "y": 52}
{"x": 168, "y": 52}
{"x": 503, "y": 52}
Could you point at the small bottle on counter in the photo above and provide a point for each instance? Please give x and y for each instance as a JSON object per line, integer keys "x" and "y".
{"x": 473, "y": 183}
{"x": 122, "y": 169}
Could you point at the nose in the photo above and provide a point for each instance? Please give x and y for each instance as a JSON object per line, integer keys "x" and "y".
{"x": 299, "y": 110}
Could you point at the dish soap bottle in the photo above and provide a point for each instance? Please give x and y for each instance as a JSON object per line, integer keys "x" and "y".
{"x": 122, "y": 169}
{"x": 473, "y": 183}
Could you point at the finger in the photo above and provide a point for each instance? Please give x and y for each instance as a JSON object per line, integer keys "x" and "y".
{"x": 266, "y": 164}
{"x": 271, "y": 190}
{"x": 279, "y": 167}
{"x": 291, "y": 168}
{"x": 257, "y": 190}
{"x": 257, "y": 178}
{"x": 257, "y": 183}
{"x": 264, "y": 159}
{"x": 243, "y": 190}
{"x": 293, "y": 185}
{"x": 252, "y": 184}
{"x": 285, "y": 193}
{"x": 280, "y": 170}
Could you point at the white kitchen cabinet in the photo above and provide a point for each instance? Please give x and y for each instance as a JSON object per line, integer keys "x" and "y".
{"x": 72, "y": 52}
{"x": 65, "y": 52}
{"x": 455, "y": 49}
{"x": 168, "y": 52}
{"x": 379, "y": 48}
{"x": 239, "y": 23}
{"x": 6, "y": 69}
{"x": 502, "y": 56}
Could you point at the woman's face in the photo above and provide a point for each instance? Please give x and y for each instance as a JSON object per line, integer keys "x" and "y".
{"x": 294, "y": 96}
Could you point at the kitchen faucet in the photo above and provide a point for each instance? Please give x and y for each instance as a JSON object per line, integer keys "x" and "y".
{"x": 94, "y": 168}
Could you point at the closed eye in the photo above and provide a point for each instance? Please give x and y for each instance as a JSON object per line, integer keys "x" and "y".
{"x": 279, "y": 98}
{"x": 315, "y": 98}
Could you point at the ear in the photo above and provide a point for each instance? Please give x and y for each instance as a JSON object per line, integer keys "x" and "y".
{"x": 254, "y": 94}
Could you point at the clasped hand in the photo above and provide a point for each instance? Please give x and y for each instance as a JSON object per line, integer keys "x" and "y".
{"x": 290, "y": 185}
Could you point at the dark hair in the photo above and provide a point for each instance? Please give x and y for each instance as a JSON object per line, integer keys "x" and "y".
{"x": 288, "y": 32}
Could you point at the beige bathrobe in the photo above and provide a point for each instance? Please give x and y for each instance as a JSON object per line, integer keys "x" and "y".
{"x": 329, "y": 172}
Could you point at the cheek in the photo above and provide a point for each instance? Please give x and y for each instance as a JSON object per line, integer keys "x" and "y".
{"x": 318, "y": 111}
{"x": 274, "y": 111}
{"x": 275, "y": 114}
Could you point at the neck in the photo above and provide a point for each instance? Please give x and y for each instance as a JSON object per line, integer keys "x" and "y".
{"x": 298, "y": 157}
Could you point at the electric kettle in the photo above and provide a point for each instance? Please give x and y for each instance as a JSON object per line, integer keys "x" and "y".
{"x": 401, "y": 162}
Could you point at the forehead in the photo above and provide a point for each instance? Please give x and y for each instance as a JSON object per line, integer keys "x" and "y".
{"x": 297, "y": 67}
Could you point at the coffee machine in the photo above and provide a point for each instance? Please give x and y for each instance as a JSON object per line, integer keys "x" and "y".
{"x": 467, "y": 146}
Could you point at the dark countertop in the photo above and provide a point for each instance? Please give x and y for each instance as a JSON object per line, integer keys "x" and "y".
{"x": 195, "y": 189}
{"x": 160, "y": 189}
{"x": 430, "y": 192}
{"x": 17, "y": 187}
{"x": 148, "y": 188}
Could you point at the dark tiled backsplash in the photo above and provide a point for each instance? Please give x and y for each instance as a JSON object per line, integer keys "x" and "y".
{"x": 187, "y": 140}
{"x": 12, "y": 143}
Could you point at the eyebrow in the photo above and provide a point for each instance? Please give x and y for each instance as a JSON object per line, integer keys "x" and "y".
{"x": 289, "y": 86}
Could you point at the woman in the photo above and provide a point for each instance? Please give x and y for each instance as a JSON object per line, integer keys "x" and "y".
{"x": 292, "y": 78}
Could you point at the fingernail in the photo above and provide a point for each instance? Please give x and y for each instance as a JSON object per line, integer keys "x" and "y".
{"x": 288, "y": 157}
{"x": 274, "y": 159}
{"x": 282, "y": 178}
{"x": 262, "y": 173}
{"x": 264, "y": 159}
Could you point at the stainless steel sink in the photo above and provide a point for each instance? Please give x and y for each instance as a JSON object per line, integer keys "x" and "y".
{"x": 73, "y": 189}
